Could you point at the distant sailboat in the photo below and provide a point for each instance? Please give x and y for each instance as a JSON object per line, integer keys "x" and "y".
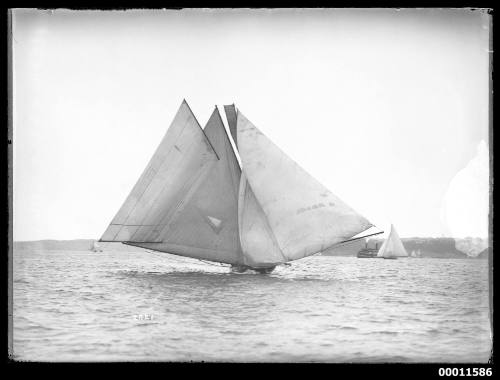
{"x": 415, "y": 253}
{"x": 96, "y": 247}
{"x": 194, "y": 200}
{"x": 392, "y": 247}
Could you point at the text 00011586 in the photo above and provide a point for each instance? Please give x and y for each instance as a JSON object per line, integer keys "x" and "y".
{"x": 465, "y": 372}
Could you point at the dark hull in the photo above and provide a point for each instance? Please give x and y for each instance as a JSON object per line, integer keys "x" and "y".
{"x": 243, "y": 269}
{"x": 367, "y": 254}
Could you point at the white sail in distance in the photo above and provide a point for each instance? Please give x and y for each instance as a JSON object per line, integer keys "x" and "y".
{"x": 392, "y": 246}
{"x": 303, "y": 216}
{"x": 186, "y": 201}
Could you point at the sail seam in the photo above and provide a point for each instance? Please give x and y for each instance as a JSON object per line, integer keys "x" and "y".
{"x": 174, "y": 227}
{"x": 193, "y": 186}
{"x": 161, "y": 164}
{"x": 151, "y": 166}
{"x": 159, "y": 168}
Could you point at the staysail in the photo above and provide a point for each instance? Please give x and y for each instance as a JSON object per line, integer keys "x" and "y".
{"x": 258, "y": 243}
{"x": 392, "y": 246}
{"x": 302, "y": 215}
{"x": 186, "y": 201}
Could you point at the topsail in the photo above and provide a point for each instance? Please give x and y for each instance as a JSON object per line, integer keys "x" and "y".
{"x": 194, "y": 200}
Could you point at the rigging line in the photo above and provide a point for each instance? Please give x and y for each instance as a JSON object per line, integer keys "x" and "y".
{"x": 347, "y": 241}
{"x": 360, "y": 237}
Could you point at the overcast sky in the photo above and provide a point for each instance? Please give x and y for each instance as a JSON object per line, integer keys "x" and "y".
{"x": 387, "y": 108}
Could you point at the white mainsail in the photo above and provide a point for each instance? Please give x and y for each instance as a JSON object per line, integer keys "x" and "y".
{"x": 186, "y": 202}
{"x": 304, "y": 216}
{"x": 392, "y": 246}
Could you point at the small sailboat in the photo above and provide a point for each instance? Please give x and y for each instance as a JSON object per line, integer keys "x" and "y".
{"x": 96, "y": 247}
{"x": 193, "y": 199}
{"x": 392, "y": 248}
{"x": 415, "y": 253}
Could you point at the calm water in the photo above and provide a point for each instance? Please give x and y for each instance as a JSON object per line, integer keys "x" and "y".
{"x": 124, "y": 306}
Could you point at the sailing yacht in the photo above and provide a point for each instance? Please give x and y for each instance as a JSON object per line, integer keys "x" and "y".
{"x": 193, "y": 199}
{"x": 392, "y": 248}
{"x": 415, "y": 253}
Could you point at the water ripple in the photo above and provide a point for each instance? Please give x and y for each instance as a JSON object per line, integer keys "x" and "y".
{"x": 132, "y": 306}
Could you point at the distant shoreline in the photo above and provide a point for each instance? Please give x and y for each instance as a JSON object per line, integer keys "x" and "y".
{"x": 441, "y": 247}
{"x": 429, "y": 247}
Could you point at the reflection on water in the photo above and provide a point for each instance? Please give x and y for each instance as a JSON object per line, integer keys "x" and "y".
{"x": 84, "y": 306}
